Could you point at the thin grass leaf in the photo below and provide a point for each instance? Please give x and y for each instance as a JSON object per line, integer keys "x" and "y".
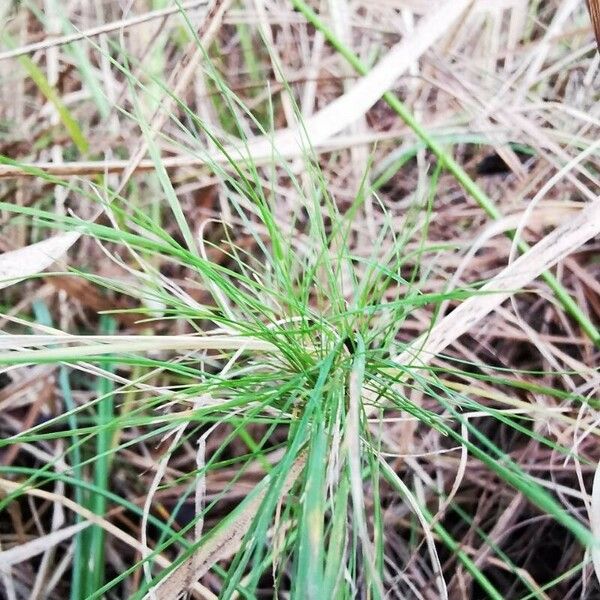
{"x": 68, "y": 120}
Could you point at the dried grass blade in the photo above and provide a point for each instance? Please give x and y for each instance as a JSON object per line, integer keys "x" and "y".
{"x": 31, "y": 260}
{"x": 30, "y": 549}
{"x": 222, "y": 544}
{"x": 594, "y": 8}
{"x": 544, "y": 255}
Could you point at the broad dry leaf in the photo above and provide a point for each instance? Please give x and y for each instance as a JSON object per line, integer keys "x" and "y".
{"x": 544, "y": 255}
{"x": 31, "y": 260}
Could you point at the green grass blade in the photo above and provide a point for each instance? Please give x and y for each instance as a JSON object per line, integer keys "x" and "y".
{"x": 50, "y": 93}
{"x": 97, "y": 502}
